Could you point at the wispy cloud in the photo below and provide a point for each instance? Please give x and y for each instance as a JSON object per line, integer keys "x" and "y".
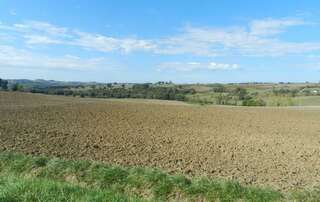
{"x": 44, "y": 33}
{"x": 19, "y": 58}
{"x": 42, "y": 27}
{"x": 106, "y": 44}
{"x": 269, "y": 27}
{"x": 257, "y": 38}
{"x": 260, "y": 38}
{"x": 42, "y": 39}
{"x": 191, "y": 66}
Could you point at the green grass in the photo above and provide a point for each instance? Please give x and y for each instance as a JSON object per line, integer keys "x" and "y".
{"x": 14, "y": 188}
{"x": 27, "y": 178}
{"x": 307, "y": 101}
{"x": 272, "y": 100}
{"x": 205, "y": 98}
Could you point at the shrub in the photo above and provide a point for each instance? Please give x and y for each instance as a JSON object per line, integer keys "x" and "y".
{"x": 254, "y": 102}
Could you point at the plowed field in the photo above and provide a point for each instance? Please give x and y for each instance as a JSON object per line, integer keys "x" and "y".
{"x": 278, "y": 147}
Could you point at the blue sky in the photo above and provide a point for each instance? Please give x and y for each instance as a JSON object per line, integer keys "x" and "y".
{"x": 148, "y": 41}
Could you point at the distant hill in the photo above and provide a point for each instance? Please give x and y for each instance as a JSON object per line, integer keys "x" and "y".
{"x": 41, "y": 83}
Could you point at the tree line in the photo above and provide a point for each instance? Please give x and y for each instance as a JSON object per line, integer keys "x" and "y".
{"x": 143, "y": 91}
{"x": 4, "y": 85}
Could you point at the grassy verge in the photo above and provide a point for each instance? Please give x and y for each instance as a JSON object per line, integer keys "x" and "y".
{"x": 26, "y": 178}
{"x": 14, "y": 188}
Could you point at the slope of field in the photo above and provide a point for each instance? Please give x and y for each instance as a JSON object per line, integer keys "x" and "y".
{"x": 278, "y": 147}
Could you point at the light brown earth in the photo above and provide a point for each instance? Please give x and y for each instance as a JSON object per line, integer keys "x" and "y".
{"x": 278, "y": 147}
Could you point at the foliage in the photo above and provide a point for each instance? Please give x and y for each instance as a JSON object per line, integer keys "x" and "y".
{"x": 3, "y": 84}
{"x": 16, "y": 87}
{"x": 253, "y": 102}
{"x": 218, "y": 88}
{"x": 142, "y": 91}
{"x": 284, "y": 91}
{"x": 240, "y": 94}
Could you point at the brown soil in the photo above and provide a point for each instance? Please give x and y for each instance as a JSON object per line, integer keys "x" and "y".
{"x": 277, "y": 147}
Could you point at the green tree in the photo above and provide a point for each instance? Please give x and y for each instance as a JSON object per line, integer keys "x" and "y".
{"x": 109, "y": 85}
{"x": 253, "y": 102}
{"x": 241, "y": 92}
{"x": 4, "y": 84}
{"x": 17, "y": 87}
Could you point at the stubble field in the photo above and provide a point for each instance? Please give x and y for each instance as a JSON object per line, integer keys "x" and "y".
{"x": 277, "y": 147}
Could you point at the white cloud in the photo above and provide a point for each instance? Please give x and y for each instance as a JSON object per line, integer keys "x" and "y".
{"x": 269, "y": 27}
{"x": 107, "y": 44}
{"x": 17, "y": 58}
{"x": 42, "y": 27}
{"x": 258, "y": 38}
{"x": 41, "y": 39}
{"x": 191, "y": 66}
{"x": 4, "y": 37}
{"x": 36, "y": 32}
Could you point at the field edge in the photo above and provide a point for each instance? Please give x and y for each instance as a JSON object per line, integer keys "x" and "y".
{"x": 39, "y": 177}
{"x": 125, "y": 183}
